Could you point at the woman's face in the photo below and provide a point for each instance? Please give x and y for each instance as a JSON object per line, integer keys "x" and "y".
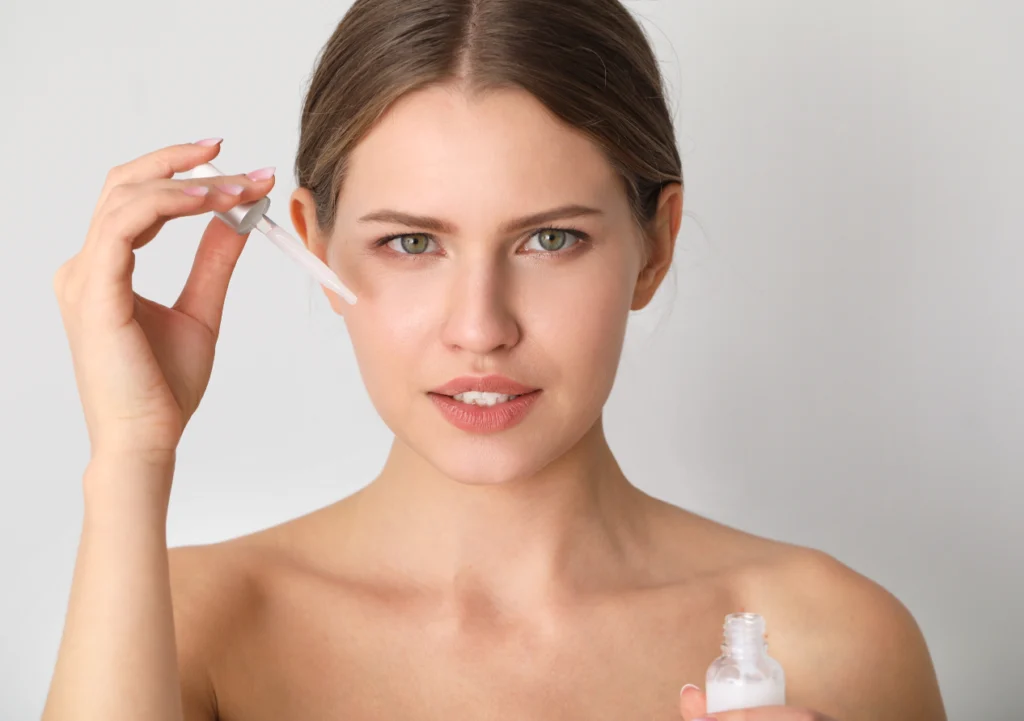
{"x": 545, "y": 304}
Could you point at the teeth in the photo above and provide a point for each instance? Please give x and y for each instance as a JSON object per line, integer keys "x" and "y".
{"x": 482, "y": 399}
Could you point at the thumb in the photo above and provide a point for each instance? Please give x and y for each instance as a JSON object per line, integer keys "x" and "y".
{"x": 206, "y": 288}
{"x": 692, "y": 703}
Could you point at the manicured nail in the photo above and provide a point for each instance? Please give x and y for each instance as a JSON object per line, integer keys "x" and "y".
{"x": 196, "y": 190}
{"x": 261, "y": 174}
{"x": 209, "y": 141}
{"x": 230, "y": 189}
{"x": 689, "y": 685}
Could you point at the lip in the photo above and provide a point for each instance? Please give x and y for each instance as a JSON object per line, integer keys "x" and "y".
{"x": 483, "y": 384}
{"x": 472, "y": 418}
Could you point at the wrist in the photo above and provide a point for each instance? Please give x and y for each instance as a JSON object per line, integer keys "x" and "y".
{"x": 129, "y": 481}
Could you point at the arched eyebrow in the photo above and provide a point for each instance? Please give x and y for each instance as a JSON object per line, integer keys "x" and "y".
{"x": 438, "y": 225}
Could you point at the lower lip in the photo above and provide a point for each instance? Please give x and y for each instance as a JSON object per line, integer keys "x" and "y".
{"x": 485, "y": 419}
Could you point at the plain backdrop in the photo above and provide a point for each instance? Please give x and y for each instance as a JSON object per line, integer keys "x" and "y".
{"x": 837, "y": 359}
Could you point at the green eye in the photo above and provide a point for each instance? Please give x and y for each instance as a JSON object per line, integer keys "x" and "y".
{"x": 549, "y": 240}
{"x": 552, "y": 239}
{"x": 414, "y": 244}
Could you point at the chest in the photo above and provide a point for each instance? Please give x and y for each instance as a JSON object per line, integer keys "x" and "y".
{"x": 355, "y": 660}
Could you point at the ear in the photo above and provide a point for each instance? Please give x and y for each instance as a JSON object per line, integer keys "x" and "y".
{"x": 661, "y": 244}
{"x": 302, "y": 208}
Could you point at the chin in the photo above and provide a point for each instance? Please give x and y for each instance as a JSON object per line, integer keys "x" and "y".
{"x": 482, "y": 461}
{"x": 468, "y": 475}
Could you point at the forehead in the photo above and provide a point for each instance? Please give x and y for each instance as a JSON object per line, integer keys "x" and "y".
{"x": 438, "y": 145}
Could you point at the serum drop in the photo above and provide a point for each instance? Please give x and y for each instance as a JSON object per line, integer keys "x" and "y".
{"x": 744, "y": 676}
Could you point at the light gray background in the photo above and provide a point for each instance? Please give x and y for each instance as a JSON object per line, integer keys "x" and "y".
{"x": 836, "y": 361}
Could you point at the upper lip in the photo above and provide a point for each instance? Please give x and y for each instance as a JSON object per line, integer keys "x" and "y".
{"x": 484, "y": 384}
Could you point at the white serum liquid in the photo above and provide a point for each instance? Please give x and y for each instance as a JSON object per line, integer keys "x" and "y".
{"x": 725, "y": 696}
{"x": 744, "y": 676}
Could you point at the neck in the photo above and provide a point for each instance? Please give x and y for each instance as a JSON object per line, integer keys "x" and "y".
{"x": 575, "y": 526}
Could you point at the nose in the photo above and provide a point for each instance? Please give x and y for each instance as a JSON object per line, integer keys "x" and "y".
{"x": 480, "y": 319}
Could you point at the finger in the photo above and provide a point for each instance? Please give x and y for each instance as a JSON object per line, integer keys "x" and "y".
{"x": 766, "y": 713}
{"x": 692, "y": 703}
{"x": 110, "y": 259}
{"x": 142, "y": 211}
{"x": 162, "y": 163}
{"x": 206, "y": 288}
{"x": 223, "y": 194}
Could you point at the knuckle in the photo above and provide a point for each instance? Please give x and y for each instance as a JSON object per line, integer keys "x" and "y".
{"x": 164, "y": 164}
{"x": 60, "y": 275}
{"x": 118, "y": 194}
{"x": 59, "y": 282}
{"x": 65, "y": 284}
{"x": 116, "y": 175}
{"x": 63, "y": 276}
{"x": 218, "y": 260}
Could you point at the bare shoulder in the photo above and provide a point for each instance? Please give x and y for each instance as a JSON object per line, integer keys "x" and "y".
{"x": 210, "y": 594}
{"x": 850, "y": 648}
{"x": 220, "y": 594}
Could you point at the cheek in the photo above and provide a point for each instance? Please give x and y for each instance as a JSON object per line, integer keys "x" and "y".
{"x": 389, "y": 335}
{"x": 580, "y": 322}
{"x": 393, "y": 310}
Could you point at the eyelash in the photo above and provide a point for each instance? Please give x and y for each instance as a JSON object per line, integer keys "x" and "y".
{"x": 581, "y": 238}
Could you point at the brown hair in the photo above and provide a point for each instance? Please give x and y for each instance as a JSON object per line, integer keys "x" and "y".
{"x": 588, "y": 61}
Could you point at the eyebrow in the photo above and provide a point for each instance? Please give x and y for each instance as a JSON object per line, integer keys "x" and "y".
{"x": 444, "y": 226}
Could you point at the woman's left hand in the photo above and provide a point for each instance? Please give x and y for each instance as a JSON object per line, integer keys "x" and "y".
{"x": 693, "y": 706}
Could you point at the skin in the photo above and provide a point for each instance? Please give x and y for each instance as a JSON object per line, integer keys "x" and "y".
{"x": 518, "y": 574}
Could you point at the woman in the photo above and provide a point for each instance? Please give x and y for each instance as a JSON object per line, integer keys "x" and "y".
{"x": 498, "y": 182}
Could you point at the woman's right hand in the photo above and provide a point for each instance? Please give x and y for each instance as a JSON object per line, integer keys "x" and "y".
{"x": 141, "y": 367}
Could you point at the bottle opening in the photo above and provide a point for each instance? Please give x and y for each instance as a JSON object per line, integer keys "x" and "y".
{"x": 744, "y": 634}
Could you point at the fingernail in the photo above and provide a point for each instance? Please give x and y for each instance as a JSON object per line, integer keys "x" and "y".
{"x": 706, "y": 718}
{"x": 196, "y": 190}
{"x": 209, "y": 141}
{"x": 230, "y": 189}
{"x": 689, "y": 685}
{"x": 261, "y": 174}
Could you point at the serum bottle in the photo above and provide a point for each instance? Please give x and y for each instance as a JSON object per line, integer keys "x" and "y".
{"x": 744, "y": 676}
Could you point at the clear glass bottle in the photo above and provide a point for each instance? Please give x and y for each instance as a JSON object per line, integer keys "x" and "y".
{"x": 744, "y": 676}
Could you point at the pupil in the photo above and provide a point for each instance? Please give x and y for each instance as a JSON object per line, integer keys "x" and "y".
{"x": 411, "y": 246}
{"x": 548, "y": 245}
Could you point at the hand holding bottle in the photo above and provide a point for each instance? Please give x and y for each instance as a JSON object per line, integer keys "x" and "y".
{"x": 744, "y": 683}
{"x": 141, "y": 367}
{"x": 693, "y": 707}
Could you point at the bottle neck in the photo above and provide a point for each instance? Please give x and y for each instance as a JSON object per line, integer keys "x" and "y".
{"x": 744, "y": 636}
